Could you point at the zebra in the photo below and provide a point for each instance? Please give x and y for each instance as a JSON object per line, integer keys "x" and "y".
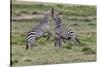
{"x": 39, "y": 31}
{"x": 61, "y": 33}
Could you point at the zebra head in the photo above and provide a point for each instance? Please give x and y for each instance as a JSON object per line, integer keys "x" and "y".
{"x": 57, "y": 20}
{"x": 46, "y": 16}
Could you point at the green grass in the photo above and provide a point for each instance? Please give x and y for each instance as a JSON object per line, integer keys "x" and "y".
{"x": 69, "y": 10}
{"x": 80, "y": 18}
{"x": 48, "y": 54}
{"x": 88, "y": 50}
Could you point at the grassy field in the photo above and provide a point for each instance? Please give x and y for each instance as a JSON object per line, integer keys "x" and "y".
{"x": 81, "y": 19}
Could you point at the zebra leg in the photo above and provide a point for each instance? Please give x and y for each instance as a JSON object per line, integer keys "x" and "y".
{"x": 30, "y": 43}
{"x": 48, "y": 35}
{"x": 70, "y": 42}
{"x": 58, "y": 41}
{"x": 26, "y": 46}
{"x": 63, "y": 40}
{"x": 44, "y": 36}
{"x": 77, "y": 41}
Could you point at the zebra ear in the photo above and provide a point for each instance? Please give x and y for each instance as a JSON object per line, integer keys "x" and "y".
{"x": 52, "y": 12}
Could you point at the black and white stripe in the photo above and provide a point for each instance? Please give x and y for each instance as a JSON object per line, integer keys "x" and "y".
{"x": 62, "y": 34}
{"x": 70, "y": 35}
{"x": 38, "y": 31}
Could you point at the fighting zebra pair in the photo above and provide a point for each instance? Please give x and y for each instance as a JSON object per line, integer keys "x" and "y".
{"x": 43, "y": 27}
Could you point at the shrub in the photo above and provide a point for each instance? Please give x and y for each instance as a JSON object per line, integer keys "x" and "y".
{"x": 34, "y": 12}
{"x": 91, "y": 24}
{"x": 13, "y": 62}
{"x": 87, "y": 20}
{"x": 28, "y": 60}
{"x": 24, "y": 12}
{"x": 88, "y": 50}
{"x": 75, "y": 24}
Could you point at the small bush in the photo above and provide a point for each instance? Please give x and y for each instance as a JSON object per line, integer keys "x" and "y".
{"x": 89, "y": 39}
{"x": 34, "y": 12}
{"x": 75, "y": 24}
{"x": 28, "y": 60}
{"x": 87, "y": 20}
{"x": 13, "y": 62}
{"x": 91, "y": 24}
{"x": 24, "y": 12}
{"x": 88, "y": 50}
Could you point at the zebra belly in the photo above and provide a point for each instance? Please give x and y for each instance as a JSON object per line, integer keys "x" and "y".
{"x": 40, "y": 33}
{"x": 45, "y": 28}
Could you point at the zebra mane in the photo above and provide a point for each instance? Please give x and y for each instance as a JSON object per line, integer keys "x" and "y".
{"x": 58, "y": 20}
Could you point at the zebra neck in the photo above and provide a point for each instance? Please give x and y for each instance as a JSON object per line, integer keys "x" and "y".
{"x": 57, "y": 26}
{"x": 44, "y": 21}
{"x": 45, "y": 17}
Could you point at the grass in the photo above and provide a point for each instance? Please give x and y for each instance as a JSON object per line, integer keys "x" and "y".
{"x": 68, "y": 47}
{"x": 80, "y": 18}
{"x": 69, "y": 10}
{"x": 49, "y": 55}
